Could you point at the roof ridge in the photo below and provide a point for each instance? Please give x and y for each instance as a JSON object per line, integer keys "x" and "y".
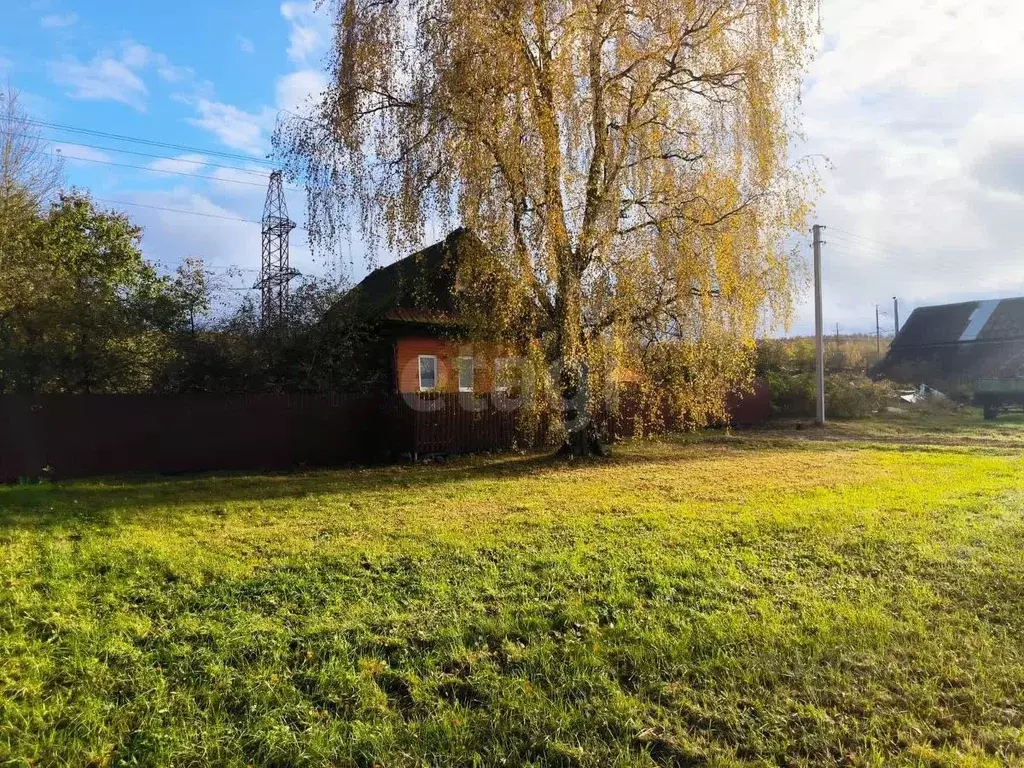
{"x": 964, "y": 303}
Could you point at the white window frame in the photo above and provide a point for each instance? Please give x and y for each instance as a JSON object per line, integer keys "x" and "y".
{"x": 459, "y": 362}
{"x": 419, "y": 372}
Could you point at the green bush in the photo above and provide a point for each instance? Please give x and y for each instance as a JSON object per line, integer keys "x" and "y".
{"x": 846, "y": 396}
{"x": 855, "y": 397}
{"x": 793, "y": 393}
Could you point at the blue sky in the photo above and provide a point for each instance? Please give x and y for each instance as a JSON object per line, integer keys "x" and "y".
{"x": 208, "y": 76}
{"x": 918, "y": 104}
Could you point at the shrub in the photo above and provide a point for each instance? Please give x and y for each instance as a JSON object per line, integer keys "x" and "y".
{"x": 846, "y": 396}
{"x": 854, "y": 397}
{"x": 793, "y": 393}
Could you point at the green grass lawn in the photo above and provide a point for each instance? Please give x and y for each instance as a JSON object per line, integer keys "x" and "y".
{"x": 956, "y": 427}
{"x": 749, "y": 600}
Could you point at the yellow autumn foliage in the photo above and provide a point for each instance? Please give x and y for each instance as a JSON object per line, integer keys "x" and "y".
{"x": 627, "y": 161}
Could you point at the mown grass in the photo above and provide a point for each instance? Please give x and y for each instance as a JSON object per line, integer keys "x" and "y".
{"x": 728, "y": 602}
{"x": 939, "y": 425}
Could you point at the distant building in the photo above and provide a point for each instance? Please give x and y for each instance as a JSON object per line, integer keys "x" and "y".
{"x": 958, "y": 344}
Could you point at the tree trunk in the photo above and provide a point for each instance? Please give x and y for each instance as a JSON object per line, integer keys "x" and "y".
{"x": 583, "y": 443}
{"x": 581, "y": 438}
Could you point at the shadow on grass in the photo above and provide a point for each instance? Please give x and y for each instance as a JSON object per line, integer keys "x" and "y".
{"x": 110, "y": 501}
{"x": 107, "y": 501}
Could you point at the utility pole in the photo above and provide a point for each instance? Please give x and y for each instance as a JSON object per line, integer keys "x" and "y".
{"x": 819, "y": 327}
{"x": 896, "y": 313}
{"x": 837, "y": 335}
{"x": 878, "y": 334}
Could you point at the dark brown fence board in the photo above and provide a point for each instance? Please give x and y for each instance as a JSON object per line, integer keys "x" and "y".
{"x": 65, "y": 436}
{"x": 68, "y": 436}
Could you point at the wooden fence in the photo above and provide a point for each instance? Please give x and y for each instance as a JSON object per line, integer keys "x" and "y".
{"x": 64, "y": 436}
{"x": 463, "y": 423}
{"x": 70, "y": 436}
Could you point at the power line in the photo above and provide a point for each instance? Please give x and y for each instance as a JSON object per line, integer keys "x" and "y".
{"x": 176, "y": 210}
{"x": 146, "y": 142}
{"x": 181, "y": 210}
{"x": 162, "y": 170}
{"x": 866, "y": 259}
{"x": 261, "y": 173}
{"x": 851, "y": 250}
{"x": 890, "y": 252}
{"x": 857, "y": 249}
{"x": 847, "y": 242}
{"x": 861, "y": 237}
{"x": 59, "y": 154}
{"x": 225, "y": 269}
{"x": 935, "y": 265}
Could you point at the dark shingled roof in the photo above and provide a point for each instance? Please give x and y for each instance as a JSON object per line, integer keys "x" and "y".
{"x": 947, "y": 324}
{"x": 1007, "y": 322}
{"x": 961, "y": 342}
{"x": 451, "y": 287}
{"x": 935, "y": 325}
{"x": 419, "y": 288}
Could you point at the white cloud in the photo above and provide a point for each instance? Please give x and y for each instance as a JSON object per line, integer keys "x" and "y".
{"x": 920, "y": 107}
{"x": 102, "y": 79}
{"x": 296, "y": 89}
{"x": 170, "y": 235}
{"x": 58, "y": 20}
{"x": 250, "y": 131}
{"x": 249, "y": 182}
{"x": 138, "y": 56}
{"x": 172, "y": 74}
{"x": 242, "y": 184}
{"x": 196, "y": 90}
{"x": 927, "y": 47}
{"x": 310, "y": 31}
{"x": 135, "y": 55}
{"x": 234, "y": 127}
{"x": 116, "y": 76}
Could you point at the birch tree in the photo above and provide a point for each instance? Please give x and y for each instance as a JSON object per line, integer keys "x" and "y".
{"x": 29, "y": 177}
{"x": 625, "y": 160}
{"x": 30, "y": 174}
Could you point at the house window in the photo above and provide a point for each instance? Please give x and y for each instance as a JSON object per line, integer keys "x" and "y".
{"x": 428, "y": 373}
{"x": 466, "y": 368}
